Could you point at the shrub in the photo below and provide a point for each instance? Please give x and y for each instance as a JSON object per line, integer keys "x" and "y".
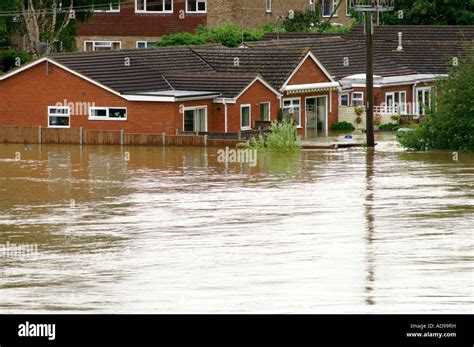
{"x": 451, "y": 125}
{"x": 283, "y": 138}
{"x": 303, "y": 21}
{"x": 377, "y": 119}
{"x": 342, "y": 126}
{"x": 8, "y": 59}
{"x": 389, "y": 126}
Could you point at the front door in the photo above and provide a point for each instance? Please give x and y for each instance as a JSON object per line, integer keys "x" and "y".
{"x": 316, "y": 116}
{"x": 423, "y": 98}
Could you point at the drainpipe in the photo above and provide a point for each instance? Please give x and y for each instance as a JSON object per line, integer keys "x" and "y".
{"x": 225, "y": 117}
{"x": 414, "y": 103}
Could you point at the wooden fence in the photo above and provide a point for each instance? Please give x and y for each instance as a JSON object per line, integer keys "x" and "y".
{"x": 95, "y": 137}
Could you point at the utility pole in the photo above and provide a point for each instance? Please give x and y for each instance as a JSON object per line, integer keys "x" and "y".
{"x": 368, "y": 8}
{"x": 369, "y": 79}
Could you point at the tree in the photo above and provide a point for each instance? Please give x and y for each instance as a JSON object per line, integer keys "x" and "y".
{"x": 451, "y": 124}
{"x": 46, "y": 21}
{"x": 431, "y": 12}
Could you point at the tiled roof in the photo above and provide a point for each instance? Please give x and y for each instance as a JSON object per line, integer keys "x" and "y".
{"x": 426, "y": 49}
{"x": 145, "y": 72}
{"x": 291, "y": 36}
{"x": 274, "y": 65}
{"x": 332, "y": 53}
{"x": 228, "y": 84}
{"x": 128, "y": 23}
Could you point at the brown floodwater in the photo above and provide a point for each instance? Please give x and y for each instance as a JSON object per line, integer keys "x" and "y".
{"x": 173, "y": 230}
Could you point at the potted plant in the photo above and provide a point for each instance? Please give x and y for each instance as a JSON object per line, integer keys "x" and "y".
{"x": 377, "y": 119}
{"x": 358, "y": 120}
{"x": 359, "y": 110}
{"x": 395, "y": 117}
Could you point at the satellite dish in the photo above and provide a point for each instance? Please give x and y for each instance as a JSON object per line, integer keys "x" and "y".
{"x": 42, "y": 47}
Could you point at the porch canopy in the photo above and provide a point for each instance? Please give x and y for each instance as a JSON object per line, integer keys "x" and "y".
{"x": 311, "y": 88}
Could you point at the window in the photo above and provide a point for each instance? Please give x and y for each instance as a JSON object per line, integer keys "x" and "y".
{"x": 396, "y": 102}
{"x": 146, "y": 44}
{"x": 113, "y": 6}
{"x": 327, "y": 7}
{"x": 59, "y": 117}
{"x": 90, "y": 46}
{"x": 245, "y": 117}
{"x": 265, "y": 111}
{"x": 357, "y": 99}
{"x": 154, "y": 6}
{"x": 344, "y": 99}
{"x": 268, "y": 6}
{"x": 423, "y": 100}
{"x": 312, "y": 5}
{"x": 195, "y": 119}
{"x": 292, "y": 110}
{"x": 196, "y": 6}
{"x": 107, "y": 113}
{"x": 349, "y": 7}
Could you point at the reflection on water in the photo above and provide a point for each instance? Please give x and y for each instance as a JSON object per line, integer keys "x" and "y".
{"x": 173, "y": 230}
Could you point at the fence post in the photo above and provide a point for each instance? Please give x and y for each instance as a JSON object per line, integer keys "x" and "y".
{"x": 40, "y": 135}
{"x": 205, "y": 140}
{"x": 81, "y": 136}
{"x": 163, "y": 139}
{"x": 122, "y": 137}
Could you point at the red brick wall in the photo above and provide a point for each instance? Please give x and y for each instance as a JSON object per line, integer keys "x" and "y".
{"x": 309, "y": 72}
{"x": 255, "y": 95}
{"x": 25, "y": 97}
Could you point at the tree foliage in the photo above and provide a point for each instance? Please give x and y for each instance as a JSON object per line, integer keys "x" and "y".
{"x": 229, "y": 35}
{"x": 430, "y": 12}
{"x": 451, "y": 124}
{"x": 303, "y": 21}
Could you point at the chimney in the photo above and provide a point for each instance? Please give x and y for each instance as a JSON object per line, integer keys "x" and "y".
{"x": 400, "y": 42}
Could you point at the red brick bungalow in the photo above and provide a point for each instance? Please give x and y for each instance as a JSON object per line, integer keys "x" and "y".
{"x": 165, "y": 91}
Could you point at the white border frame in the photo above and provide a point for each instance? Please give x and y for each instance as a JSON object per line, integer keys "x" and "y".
{"x": 300, "y": 126}
{"x": 107, "y": 117}
{"x": 250, "y": 117}
{"x": 194, "y": 108}
{"x": 191, "y": 12}
{"x": 59, "y": 115}
{"x": 145, "y": 6}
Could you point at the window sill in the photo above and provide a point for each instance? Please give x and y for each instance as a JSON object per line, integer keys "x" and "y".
{"x": 108, "y": 119}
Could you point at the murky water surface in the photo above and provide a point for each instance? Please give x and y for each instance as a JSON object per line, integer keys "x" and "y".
{"x": 173, "y": 230}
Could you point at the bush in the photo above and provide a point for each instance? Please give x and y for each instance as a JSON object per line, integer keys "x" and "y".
{"x": 229, "y": 36}
{"x": 8, "y": 59}
{"x": 303, "y": 21}
{"x": 389, "y": 126}
{"x": 451, "y": 125}
{"x": 283, "y": 138}
{"x": 343, "y": 126}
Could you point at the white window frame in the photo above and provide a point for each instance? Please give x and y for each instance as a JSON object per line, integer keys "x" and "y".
{"x": 401, "y": 107}
{"x": 145, "y": 6}
{"x": 107, "y": 117}
{"x": 348, "y": 7}
{"x": 68, "y": 115}
{"x": 95, "y": 44}
{"x": 348, "y": 99}
{"x": 292, "y": 106}
{"x": 146, "y": 44}
{"x": 269, "y": 6}
{"x": 249, "y": 127}
{"x": 197, "y": 6}
{"x": 354, "y": 99}
{"x": 334, "y": 4}
{"x": 417, "y": 102}
{"x": 111, "y": 9}
{"x": 195, "y": 108}
{"x": 269, "y": 109}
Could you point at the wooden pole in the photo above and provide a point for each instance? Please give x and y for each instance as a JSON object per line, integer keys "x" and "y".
{"x": 369, "y": 80}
